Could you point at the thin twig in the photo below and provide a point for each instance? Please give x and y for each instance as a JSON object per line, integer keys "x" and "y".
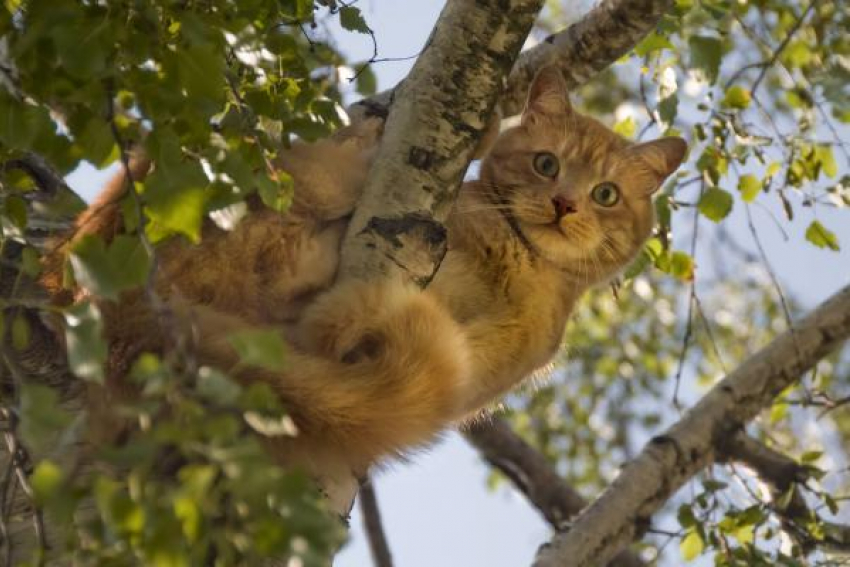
{"x": 686, "y": 340}
{"x": 790, "y": 34}
{"x": 378, "y": 545}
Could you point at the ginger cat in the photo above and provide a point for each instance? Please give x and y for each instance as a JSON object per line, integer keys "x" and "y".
{"x": 374, "y": 369}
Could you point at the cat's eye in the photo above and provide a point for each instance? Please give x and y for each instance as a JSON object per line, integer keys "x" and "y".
{"x": 546, "y": 164}
{"x": 606, "y": 194}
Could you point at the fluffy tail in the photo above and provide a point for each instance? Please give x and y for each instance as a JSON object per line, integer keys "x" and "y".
{"x": 378, "y": 369}
{"x": 102, "y": 217}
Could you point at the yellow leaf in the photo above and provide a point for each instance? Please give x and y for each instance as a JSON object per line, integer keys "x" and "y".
{"x": 691, "y": 546}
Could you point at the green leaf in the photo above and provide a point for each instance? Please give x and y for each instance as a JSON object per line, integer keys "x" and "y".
{"x": 201, "y": 70}
{"x": 810, "y": 457}
{"x": 303, "y": 9}
{"x": 652, "y": 42}
{"x": 686, "y": 517}
{"x": 87, "y": 350}
{"x": 46, "y": 481}
{"x": 751, "y": 516}
{"x": 712, "y": 485}
{"x": 737, "y": 97}
{"x": 15, "y": 209}
{"x": 217, "y": 387}
{"x": 682, "y": 266}
{"x": 668, "y": 108}
{"x": 20, "y": 332}
{"x": 778, "y": 412}
{"x": 705, "y": 56}
{"x": 276, "y": 195}
{"x": 825, "y": 157}
{"x": 42, "y": 417}
{"x": 691, "y": 546}
{"x": 175, "y": 198}
{"x": 367, "y": 82}
{"x": 13, "y": 126}
{"x": 715, "y": 204}
{"x": 181, "y": 212}
{"x": 187, "y": 511}
{"x": 351, "y": 19}
{"x": 749, "y": 187}
{"x": 107, "y": 271}
{"x": 82, "y": 46}
{"x": 96, "y": 141}
{"x": 259, "y": 347}
{"x": 821, "y": 236}
{"x": 626, "y": 128}
{"x": 798, "y": 53}
{"x": 713, "y": 162}
{"x": 744, "y": 534}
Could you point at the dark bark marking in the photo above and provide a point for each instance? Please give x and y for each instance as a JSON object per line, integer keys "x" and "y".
{"x": 418, "y": 225}
{"x": 374, "y": 109}
{"x": 420, "y": 158}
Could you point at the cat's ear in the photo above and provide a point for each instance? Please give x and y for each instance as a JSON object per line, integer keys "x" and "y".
{"x": 662, "y": 156}
{"x": 548, "y": 96}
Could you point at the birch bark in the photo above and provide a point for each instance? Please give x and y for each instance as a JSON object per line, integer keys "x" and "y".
{"x": 438, "y": 115}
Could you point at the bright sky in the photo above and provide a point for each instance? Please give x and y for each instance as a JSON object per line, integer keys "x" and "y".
{"x": 437, "y": 510}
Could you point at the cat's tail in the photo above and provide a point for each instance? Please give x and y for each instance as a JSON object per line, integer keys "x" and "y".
{"x": 379, "y": 368}
{"x": 103, "y": 217}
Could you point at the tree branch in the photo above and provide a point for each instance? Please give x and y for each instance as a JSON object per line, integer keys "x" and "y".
{"x": 623, "y": 511}
{"x": 783, "y": 474}
{"x": 606, "y": 33}
{"x": 533, "y": 475}
{"x": 438, "y": 115}
{"x": 378, "y": 545}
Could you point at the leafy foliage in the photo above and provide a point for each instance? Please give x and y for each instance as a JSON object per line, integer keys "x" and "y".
{"x": 209, "y": 91}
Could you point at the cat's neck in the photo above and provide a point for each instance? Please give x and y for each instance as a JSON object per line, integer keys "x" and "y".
{"x": 485, "y": 230}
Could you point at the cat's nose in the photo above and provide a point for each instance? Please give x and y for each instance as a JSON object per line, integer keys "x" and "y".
{"x": 563, "y": 206}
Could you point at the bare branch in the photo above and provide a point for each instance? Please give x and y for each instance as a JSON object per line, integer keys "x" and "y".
{"x": 669, "y": 460}
{"x": 378, "y": 545}
{"x": 533, "y": 475}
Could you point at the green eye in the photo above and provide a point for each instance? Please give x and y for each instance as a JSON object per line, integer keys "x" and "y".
{"x": 606, "y": 194}
{"x": 546, "y": 164}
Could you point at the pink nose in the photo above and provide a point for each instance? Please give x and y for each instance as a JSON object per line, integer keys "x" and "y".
{"x": 563, "y": 206}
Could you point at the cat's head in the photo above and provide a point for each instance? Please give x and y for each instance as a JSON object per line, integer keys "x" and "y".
{"x": 578, "y": 194}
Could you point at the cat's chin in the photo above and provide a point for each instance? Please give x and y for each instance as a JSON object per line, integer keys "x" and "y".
{"x": 556, "y": 245}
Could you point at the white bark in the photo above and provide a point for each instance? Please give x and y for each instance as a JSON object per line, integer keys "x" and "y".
{"x": 437, "y": 117}
{"x": 668, "y": 461}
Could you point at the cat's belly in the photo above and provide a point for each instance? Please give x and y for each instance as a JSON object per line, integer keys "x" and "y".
{"x": 265, "y": 271}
